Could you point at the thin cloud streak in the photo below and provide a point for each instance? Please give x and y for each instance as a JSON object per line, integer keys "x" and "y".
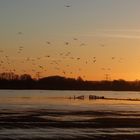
{"x": 120, "y": 30}
{"x": 115, "y": 33}
{"x": 121, "y": 36}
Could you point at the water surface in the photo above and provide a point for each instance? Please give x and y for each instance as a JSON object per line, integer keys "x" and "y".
{"x": 44, "y": 114}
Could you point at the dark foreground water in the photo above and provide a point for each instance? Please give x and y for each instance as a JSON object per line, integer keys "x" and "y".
{"x": 52, "y": 115}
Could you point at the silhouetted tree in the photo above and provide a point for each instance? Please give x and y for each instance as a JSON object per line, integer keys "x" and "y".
{"x": 25, "y": 77}
{"x": 9, "y": 76}
{"x": 79, "y": 78}
{"x": 25, "y": 81}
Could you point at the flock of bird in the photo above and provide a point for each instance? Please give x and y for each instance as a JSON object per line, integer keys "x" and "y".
{"x": 41, "y": 64}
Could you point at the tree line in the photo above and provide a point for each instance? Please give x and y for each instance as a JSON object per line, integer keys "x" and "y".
{"x": 25, "y": 81}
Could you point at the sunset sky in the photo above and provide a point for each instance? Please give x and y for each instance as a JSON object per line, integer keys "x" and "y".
{"x": 94, "y": 39}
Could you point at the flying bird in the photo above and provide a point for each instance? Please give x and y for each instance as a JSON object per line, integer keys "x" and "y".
{"x": 82, "y": 44}
{"x": 48, "y": 42}
{"x": 112, "y": 58}
{"x": 75, "y": 39}
{"x": 20, "y": 33}
{"x": 102, "y": 45}
{"x": 94, "y": 61}
{"x": 67, "y": 6}
{"x": 66, "y": 43}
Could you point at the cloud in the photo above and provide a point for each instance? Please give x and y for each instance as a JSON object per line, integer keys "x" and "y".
{"x": 120, "y": 30}
{"x": 122, "y": 34}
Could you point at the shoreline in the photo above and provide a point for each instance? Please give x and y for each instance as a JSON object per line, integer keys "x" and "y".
{"x": 20, "y": 89}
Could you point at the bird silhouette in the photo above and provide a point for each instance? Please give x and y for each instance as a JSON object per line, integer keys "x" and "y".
{"x": 48, "y": 42}
{"x": 113, "y": 58}
{"x": 82, "y": 44}
{"x": 20, "y": 33}
{"x": 67, "y": 6}
{"x": 75, "y": 39}
{"x": 66, "y": 43}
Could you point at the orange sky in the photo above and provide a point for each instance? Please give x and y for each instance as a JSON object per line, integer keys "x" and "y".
{"x": 92, "y": 39}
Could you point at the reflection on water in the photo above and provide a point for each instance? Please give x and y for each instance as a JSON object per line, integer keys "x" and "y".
{"x": 53, "y": 115}
{"x": 54, "y": 133}
{"x": 60, "y": 100}
{"x": 58, "y": 124}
